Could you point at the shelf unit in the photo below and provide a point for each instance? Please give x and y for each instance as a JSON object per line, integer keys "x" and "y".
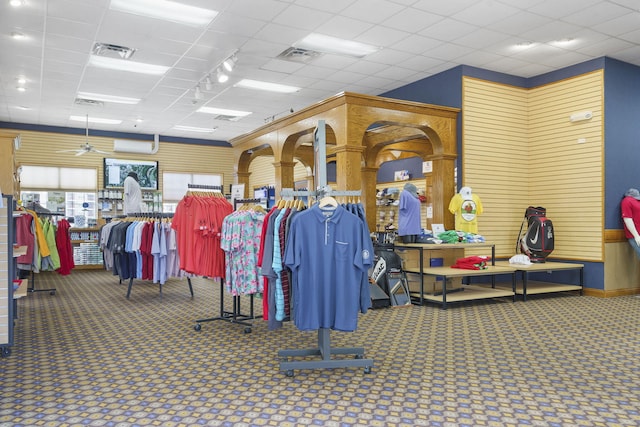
{"x": 529, "y": 287}
{"x": 444, "y": 274}
{"x": 111, "y": 204}
{"x": 86, "y": 248}
{"x": 385, "y": 207}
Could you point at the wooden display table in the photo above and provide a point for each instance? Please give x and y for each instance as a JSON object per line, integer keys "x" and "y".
{"x": 469, "y": 292}
{"x": 537, "y": 287}
{"x": 449, "y": 252}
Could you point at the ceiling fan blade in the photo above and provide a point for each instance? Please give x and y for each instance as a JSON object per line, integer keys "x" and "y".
{"x": 100, "y": 151}
{"x": 80, "y": 153}
{"x": 66, "y": 151}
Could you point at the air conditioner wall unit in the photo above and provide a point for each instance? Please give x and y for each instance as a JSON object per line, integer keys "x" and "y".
{"x": 129, "y": 146}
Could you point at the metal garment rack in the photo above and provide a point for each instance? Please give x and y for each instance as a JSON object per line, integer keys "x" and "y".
{"x": 234, "y": 316}
{"x": 32, "y": 281}
{"x": 324, "y": 349}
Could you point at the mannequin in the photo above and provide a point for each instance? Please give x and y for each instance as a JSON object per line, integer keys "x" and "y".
{"x": 132, "y": 194}
{"x": 409, "y": 222}
{"x": 630, "y": 209}
{"x": 466, "y": 206}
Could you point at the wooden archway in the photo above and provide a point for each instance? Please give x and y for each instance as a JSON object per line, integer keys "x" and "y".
{"x": 360, "y": 128}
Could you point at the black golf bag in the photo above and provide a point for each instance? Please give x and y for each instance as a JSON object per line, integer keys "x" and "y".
{"x": 388, "y": 282}
{"x": 538, "y": 240}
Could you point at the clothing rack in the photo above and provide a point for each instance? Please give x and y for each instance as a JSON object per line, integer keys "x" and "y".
{"x": 234, "y": 316}
{"x": 324, "y": 349}
{"x": 253, "y": 201}
{"x": 32, "y": 281}
{"x": 204, "y": 187}
{"x": 152, "y": 215}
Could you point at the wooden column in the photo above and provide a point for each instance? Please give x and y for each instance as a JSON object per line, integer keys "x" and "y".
{"x": 368, "y": 197}
{"x": 443, "y": 189}
{"x": 284, "y": 176}
{"x": 348, "y": 167}
{"x": 243, "y": 178}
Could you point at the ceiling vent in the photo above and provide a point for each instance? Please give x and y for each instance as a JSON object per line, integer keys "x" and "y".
{"x": 89, "y": 102}
{"x": 112, "y": 50}
{"x": 296, "y": 54}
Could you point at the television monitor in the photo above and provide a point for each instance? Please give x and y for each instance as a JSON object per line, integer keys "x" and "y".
{"x": 116, "y": 170}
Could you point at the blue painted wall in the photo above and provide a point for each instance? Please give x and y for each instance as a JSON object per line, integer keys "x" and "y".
{"x": 621, "y": 124}
{"x": 387, "y": 170}
{"x": 622, "y": 136}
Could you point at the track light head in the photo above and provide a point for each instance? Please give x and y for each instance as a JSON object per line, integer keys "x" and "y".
{"x": 221, "y": 76}
{"x": 229, "y": 63}
{"x": 197, "y": 94}
{"x": 208, "y": 84}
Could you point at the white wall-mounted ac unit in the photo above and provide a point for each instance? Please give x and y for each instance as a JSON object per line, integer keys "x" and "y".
{"x": 139, "y": 147}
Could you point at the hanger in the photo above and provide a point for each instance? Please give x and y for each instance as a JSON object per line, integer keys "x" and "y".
{"x": 328, "y": 201}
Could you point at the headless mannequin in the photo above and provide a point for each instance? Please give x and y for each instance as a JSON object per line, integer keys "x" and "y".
{"x": 630, "y": 208}
{"x": 409, "y": 221}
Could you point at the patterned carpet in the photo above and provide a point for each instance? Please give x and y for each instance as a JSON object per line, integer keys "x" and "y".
{"x": 88, "y": 356}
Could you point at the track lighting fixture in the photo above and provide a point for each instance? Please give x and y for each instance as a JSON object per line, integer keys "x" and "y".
{"x": 221, "y": 75}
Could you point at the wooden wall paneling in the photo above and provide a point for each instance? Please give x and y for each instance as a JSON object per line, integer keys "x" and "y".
{"x": 495, "y": 158}
{"x": 263, "y": 173}
{"x": 39, "y": 148}
{"x": 570, "y": 175}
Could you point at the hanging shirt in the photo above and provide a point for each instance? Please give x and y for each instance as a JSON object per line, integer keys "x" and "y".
{"x": 328, "y": 253}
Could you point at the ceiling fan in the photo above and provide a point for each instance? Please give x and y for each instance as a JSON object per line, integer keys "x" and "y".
{"x": 86, "y": 147}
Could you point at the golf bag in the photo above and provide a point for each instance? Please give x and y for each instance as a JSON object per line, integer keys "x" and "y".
{"x": 538, "y": 240}
{"x": 388, "y": 282}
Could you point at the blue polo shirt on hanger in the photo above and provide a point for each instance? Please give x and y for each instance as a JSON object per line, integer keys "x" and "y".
{"x": 329, "y": 252}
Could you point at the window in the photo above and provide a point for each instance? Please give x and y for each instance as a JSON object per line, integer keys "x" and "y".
{"x": 58, "y": 178}
{"x": 62, "y": 190}
{"x": 175, "y": 186}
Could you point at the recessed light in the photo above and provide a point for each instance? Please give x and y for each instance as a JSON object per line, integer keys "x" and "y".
{"x": 22, "y": 107}
{"x": 223, "y": 111}
{"x": 124, "y": 65}
{"x": 17, "y": 36}
{"x": 166, "y": 10}
{"x": 194, "y": 129}
{"x": 328, "y": 44}
{"x": 524, "y": 45}
{"x": 564, "y": 42}
{"x": 22, "y": 80}
{"x": 16, "y": 3}
{"x": 108, "y": 98}
{"x": 95, "y": 120}
{"x": 21, "y": 89}
{"x": 272, "y": 87}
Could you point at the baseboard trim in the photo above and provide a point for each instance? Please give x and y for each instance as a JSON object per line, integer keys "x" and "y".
{"x": 601, "y": 293}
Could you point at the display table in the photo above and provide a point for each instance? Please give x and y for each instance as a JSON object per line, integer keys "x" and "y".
{"x": 452, "y": 251}
{"x": 469, "y": 292}
{"x": 537, "y": 287}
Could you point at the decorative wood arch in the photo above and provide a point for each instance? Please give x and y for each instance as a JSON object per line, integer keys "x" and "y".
{"x": 361, "y": 131}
